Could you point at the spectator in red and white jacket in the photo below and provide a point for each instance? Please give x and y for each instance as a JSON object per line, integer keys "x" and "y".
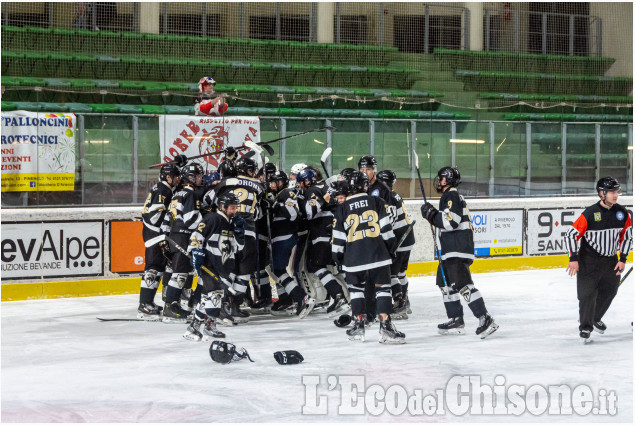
{"x": 594, "y": 239}
{"x": 208, "y": 102}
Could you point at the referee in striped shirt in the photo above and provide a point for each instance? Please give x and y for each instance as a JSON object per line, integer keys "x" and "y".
{"x": 593, "y": 241}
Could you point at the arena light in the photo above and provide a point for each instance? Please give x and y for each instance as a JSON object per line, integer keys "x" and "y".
{"x": 98, "y": 142}
{"x": 317, "y": 141}
{"x": 350, "y": 158}
{"x": 467, "y": 141}
{"x": 630, "y": 148}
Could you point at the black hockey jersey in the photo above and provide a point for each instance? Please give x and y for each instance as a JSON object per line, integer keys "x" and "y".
{"x": 318, "y": 210}
{"x": 286, "y": 217}
{"x": 185, "y": 210}
{"x": 156, "y": 206}
{"x": 602, "y": 232}
{"x": 454, "y": 228}
{"x": 401, "y": 224}
{"x": 249, "y": 192}
{"x": 362, "y": 234}
{"x": 215, "y": 234}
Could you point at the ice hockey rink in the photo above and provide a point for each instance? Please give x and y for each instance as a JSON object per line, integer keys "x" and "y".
{"x": 59, "y": 364}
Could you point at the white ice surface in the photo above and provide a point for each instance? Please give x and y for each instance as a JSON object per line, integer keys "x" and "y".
{"x": 59, "y": 364}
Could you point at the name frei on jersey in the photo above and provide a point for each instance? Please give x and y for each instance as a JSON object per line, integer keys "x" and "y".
{"x": 604, "y": 231}
{"x": 362, "y": 234}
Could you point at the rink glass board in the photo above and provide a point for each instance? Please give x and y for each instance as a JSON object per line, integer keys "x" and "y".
{"x": 127, "y": 250}
{"x": 36, "y": 249}
{"x": 498, "y": 232}
{"x": 546, "y": 229}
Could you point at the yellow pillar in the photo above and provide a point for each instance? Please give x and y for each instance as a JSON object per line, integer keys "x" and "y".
{"x": 325, "y": 13}
{"x": 149, "y": 13}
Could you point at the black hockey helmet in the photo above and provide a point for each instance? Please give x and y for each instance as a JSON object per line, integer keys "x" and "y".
{"x": 269, "y": 168}
{"x": 367, "y": 161}
{"x": 227, "y": 198}
{"x": 340, "y": 187}
{"x": 452, "y": 177}
{"x": 190, "y": 172}
{"x": 387, "y": 176}
{"x": 227, "y": 169}
{"x": 358, "y": 182}
{"x": 170, "y": 169}
{"x": 306, "y": 175}
{"x": 607, "y": 184}
{"x": 244, "y": 165}
{"x": 346, "y": 173}
{"x": 281, "y": 176}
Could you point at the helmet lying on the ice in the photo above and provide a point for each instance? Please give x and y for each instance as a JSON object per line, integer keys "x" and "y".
{"x": 225, "y": 352}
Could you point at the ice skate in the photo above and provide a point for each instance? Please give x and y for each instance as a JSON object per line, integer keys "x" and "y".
{"x": 339, "y": 306}
{"x": 225, "y": 318}
{"x": 184, "y": 300}
{"x": 305, "y": 306}
{"x": 486, "y": 326}
{"x": 173, "y": 313}
{"x": 283, "y": 308}
{"x": 454, "y": 326}
{"x": 261, "y": 307}
{"x": 585, "y": 337}
{"x": 320, "y": 306}
{"x": 408, "y": 310}
{"x": 192, "y": 332}
{"x": 149, "y": 312}
{"x": 234, "y": 310}
{"x": 210, "y": 330}
{"x": 599, "y": 327}
{"x": 399, "y": 309}
{"x": 358, "y": 331}
{"x": 388, "y": 334}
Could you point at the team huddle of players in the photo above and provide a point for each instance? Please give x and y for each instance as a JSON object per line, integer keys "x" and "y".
{"x": 335, "y": 244}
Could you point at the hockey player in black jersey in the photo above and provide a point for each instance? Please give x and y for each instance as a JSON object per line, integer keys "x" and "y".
{"x": 368, "y": 165}
{"x": 157, "y": 251}
{"x": 457, "y": 254}
{"x": 362, "y": 244}
{"x": 249, "y": 192}
{"x": 185, "y": 215}
{"x": 213, "y": 245}
{"x": 285, "y": 223}
{"x": 594, "y": 239}
{"x": 319, "y": 214}
{"x": 262, "y": 285}
{"x": 398, "y": 278}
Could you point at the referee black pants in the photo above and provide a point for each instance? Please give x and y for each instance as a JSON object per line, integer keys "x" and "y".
{"x": 597, "y": 286}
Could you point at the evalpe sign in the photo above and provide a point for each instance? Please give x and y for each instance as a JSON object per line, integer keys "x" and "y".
{"x": 65, "y": 248}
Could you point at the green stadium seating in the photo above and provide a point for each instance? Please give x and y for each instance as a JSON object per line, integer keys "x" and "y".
{"x": 567, "y": 117}
{"x": 8, "y": 106}
{"x": 528, "y": 62}
{"x": 273, "y": 112}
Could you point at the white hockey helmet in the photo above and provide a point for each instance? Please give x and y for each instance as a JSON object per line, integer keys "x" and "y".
{"x": 297, "y": 168}
{"x": 205, "y": 81}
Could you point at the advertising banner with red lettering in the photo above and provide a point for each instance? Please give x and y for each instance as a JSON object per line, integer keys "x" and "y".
{"x": 193, "y": 136}
{"x": 38, "y": 151}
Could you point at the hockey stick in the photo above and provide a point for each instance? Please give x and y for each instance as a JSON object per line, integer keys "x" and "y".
{"x": 403, "y": 237}
{"x": 325, "y": 155}
{"x": 265, "y": 145}
{"x": 434, "y": 236}
{"x": 625, "y": 276}
{"x": 205, "y": 269}
{"x": 120, "y": 320}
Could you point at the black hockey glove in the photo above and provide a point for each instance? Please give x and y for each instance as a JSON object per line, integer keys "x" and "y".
{"x": 239, "y": 225}
{"x": 197, "y": 257}
{"x": 288, "y": 357}
{"x": 230, "y": 153}
{"x": 180, "y": 160}
{"x": 429, "y": 212}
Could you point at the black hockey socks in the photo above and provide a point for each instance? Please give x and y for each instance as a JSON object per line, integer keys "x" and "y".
{"x": 264, "y": 285}
{"x": 330, "y": 284}
{"x": 395, "y": 287}
{"x": 384, "y": 300}
{"x": 290, "y": 286}
{"x": 474, "y": 300}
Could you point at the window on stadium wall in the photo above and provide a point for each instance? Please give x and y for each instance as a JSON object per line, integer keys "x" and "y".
{"x": 292, "y": 27}
{"x": 558, "y": 24}
{"x": 409, "y": 33}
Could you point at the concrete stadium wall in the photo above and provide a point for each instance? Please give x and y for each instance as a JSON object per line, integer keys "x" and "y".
{"x": 422, "y": 260}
